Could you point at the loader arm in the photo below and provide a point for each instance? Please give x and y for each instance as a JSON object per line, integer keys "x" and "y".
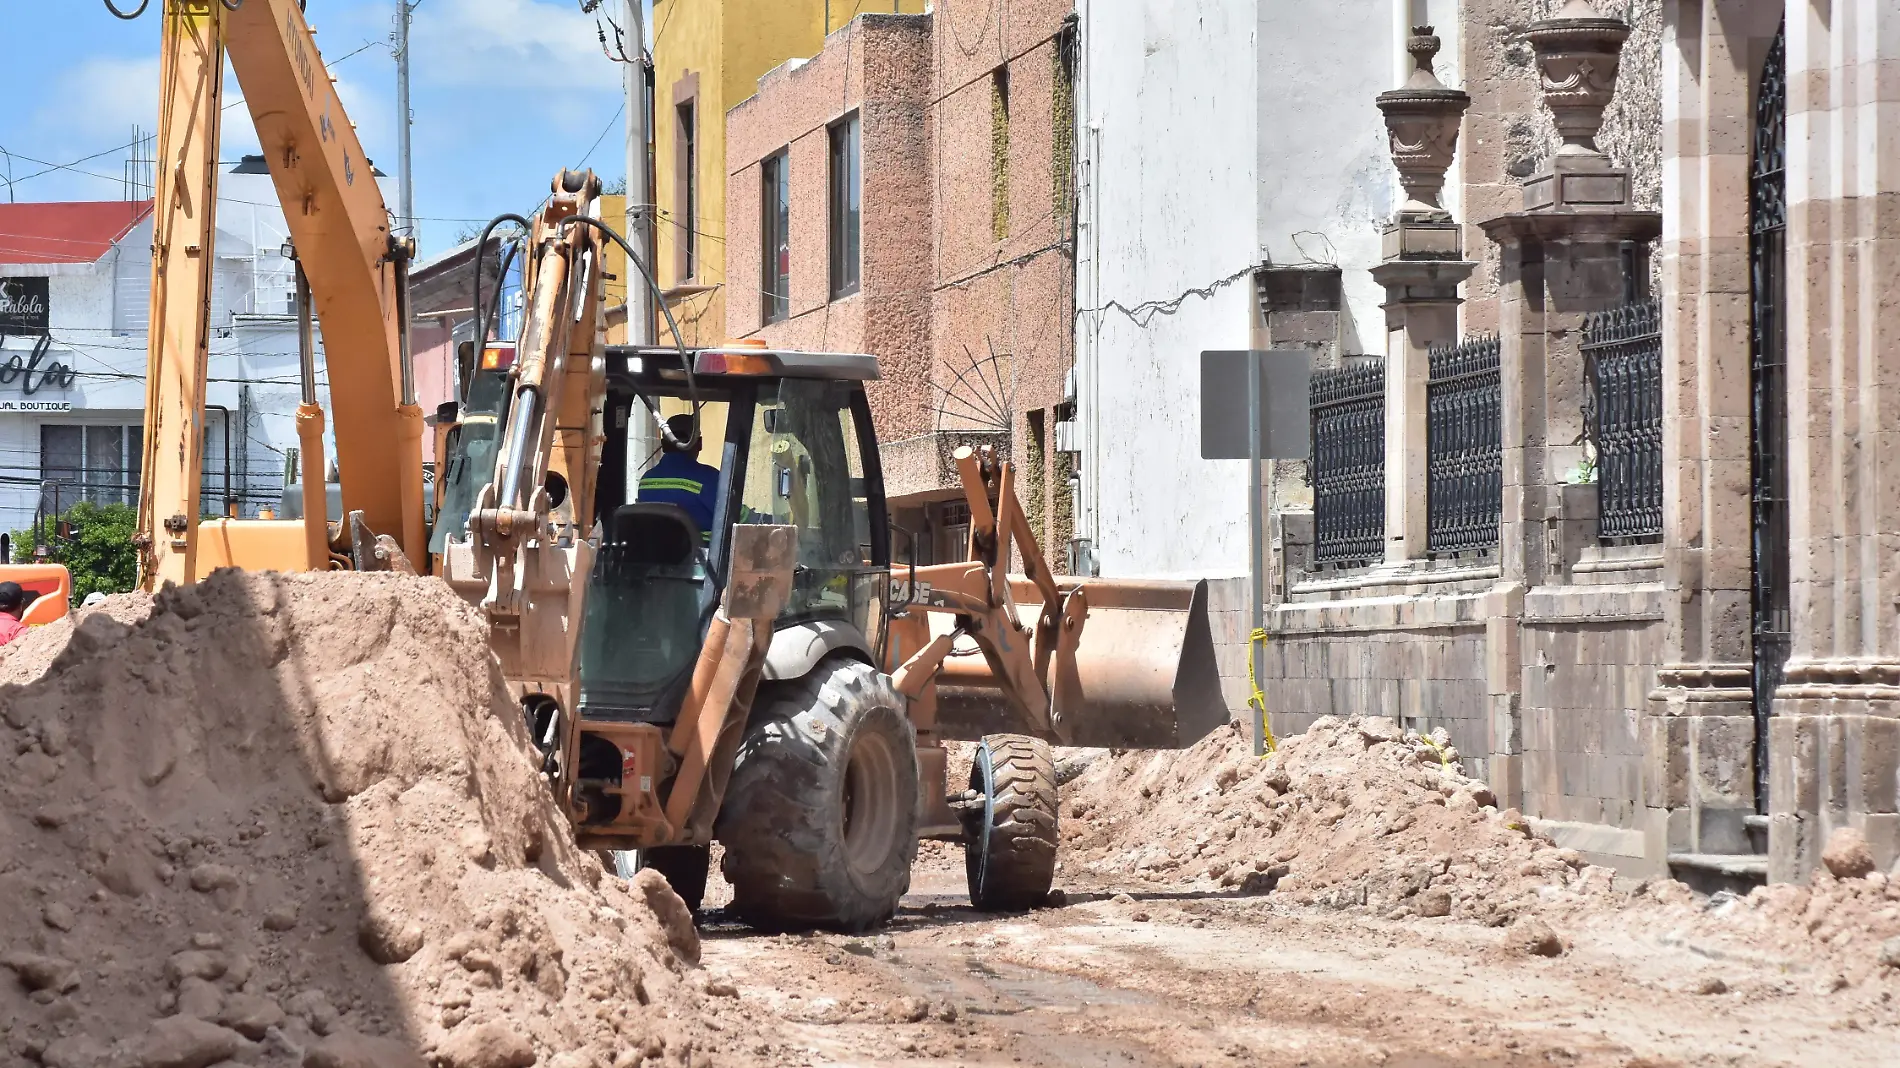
{"x": 1016, "y": 660}
{"x": 1098, "y": 662}
{"x": 355, "y": 267}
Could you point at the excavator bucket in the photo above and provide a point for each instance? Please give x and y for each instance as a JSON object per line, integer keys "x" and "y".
{"x": 1142, "y": 673}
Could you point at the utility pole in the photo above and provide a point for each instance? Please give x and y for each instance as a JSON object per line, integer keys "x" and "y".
{"x": 406, "y": 195}
{"x": 640, "y": 310}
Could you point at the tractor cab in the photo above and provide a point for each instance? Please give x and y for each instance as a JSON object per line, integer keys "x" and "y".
{"x": 781, "y": 438}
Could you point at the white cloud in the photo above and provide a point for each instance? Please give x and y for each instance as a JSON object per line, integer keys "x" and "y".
{"x": 102, "y": 98}
{"x": 515, "y": 44}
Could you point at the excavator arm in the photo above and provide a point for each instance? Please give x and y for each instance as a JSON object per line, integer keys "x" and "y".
{"x": 356, "y": 270}
{"x": 525, "y": 555}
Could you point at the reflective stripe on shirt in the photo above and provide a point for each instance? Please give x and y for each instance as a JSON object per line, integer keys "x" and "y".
{"x": 686, "y": 485}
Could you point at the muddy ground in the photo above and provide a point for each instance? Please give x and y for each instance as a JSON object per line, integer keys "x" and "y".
{"x": 1136, "y": 977}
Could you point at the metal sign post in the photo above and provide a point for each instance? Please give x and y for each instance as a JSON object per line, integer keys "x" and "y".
{"x": 1256, "y": 544}
{"x": 1272, "y": 387}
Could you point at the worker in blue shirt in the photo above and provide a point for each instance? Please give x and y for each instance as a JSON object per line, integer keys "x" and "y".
{"x": 679, "y": 478}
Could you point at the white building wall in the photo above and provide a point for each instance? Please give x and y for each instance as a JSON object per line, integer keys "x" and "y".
{"x": 98, "y": 318}
{"x": 1216, "y": 139}
{"x": 1326, "y": 178}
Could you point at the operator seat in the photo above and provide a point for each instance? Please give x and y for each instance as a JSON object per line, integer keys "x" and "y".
{"x": 654, "y": 534}
{"x": 648, "y": 604}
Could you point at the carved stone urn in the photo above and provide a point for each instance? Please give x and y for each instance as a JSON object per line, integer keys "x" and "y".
{"x": 1578, "y": 52}
{"x": 1421, "y": 119}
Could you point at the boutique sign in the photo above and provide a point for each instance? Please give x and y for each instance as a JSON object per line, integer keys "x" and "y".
{"x": 24, "y": 307}
{"x": 24, "y": 375}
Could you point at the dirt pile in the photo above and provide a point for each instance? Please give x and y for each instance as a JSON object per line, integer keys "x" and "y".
{"x": 293, "y": 820}
{"x": 1351, "y": 814}
{"x": 1361, "y": 816}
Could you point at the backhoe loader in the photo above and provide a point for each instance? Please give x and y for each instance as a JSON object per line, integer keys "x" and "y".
{"x": 774, "y": 683}
{"x": 771, "y": 682}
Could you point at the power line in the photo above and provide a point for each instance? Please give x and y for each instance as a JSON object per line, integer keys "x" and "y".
{"x": 603, "y": 136}
{"x": 51, "y": 167}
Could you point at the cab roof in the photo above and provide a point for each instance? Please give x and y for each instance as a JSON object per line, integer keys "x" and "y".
{"x": 745, "y": 360}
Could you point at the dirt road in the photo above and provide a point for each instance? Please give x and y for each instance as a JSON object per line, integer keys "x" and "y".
{"x": 1159, "y": 979}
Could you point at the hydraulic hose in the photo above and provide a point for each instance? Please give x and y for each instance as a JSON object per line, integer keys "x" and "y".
{"x": 679, "y": 340}
{"x": 481, "y": 248}
{"x": 143, "y": 4}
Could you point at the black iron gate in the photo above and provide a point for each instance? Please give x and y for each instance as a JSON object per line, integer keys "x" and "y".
{"x": 1463, "y": 469}
{"x": 1348, "y": 466}
{"x": 1768, "y": 391}
{"x": 1622, "y": 352}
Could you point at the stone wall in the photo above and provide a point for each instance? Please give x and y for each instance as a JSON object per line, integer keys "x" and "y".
{"x": 1589, "y": 662}
{"x": 1428, "y": 659}
{"x": 1425, "y": 679}
{"x": 1545, "y": 692}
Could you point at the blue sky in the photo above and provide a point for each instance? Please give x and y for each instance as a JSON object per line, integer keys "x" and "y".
{"x": 505, "y": 93}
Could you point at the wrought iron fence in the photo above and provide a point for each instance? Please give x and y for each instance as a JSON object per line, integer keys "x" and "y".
{"x": 1348, "y": 466}
{"x": 1463, "y": 464}
{"x": 1623, "y": 417}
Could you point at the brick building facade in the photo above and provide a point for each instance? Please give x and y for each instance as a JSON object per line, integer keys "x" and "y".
{"x": 963, "y": 128}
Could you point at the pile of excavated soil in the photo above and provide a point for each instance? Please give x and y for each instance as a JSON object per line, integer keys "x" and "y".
{"x": 1349, "y": 814}
{"x": 294, "y": 820}
{"x": 1358, "y": 815}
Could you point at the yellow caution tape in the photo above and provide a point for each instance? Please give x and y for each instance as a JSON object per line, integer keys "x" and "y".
{"x": 1427, "y": 739}
{"x": 1258, "y": 702}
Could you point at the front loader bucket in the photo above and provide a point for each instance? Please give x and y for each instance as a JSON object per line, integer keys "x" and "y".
{"x": 1145, "y": 675}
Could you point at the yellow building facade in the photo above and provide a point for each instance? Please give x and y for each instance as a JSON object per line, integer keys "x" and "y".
{"x": 708, "y": 56}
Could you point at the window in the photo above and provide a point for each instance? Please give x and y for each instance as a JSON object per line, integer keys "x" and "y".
{"x": 775, "y": 227}
{"x": 688, "y": 151}
{"x": 999, "y": 153}
{"x": 91, "y": 463}
{"x": 953, "y": 532}
{"x": 847, "y": 204}
{"x": 806, "y": 468}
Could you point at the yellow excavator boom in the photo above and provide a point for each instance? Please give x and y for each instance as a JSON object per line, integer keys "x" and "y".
{"x": 356, "y": 269}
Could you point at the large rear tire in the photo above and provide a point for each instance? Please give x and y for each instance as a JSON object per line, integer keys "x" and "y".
{"x": 1009, "y": 842}
{"x": 820, "y": 817}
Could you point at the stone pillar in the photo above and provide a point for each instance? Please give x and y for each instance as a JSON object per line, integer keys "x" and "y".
{"x": 1423, "y": 265}
{"x": 1699, "y": 734}
{"x": 1563, "y": 256}
{"x": 1834, "y": 740}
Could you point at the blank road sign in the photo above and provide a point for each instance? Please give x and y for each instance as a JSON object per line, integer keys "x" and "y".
{"x": 1286, "y": 378}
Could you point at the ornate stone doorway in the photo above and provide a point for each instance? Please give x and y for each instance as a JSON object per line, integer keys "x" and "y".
{"x": 1768, "y": 389}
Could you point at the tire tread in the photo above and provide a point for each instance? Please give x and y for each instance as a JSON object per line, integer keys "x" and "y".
{"x": 783, "y": 857}
{"x": 1024, "y": 831}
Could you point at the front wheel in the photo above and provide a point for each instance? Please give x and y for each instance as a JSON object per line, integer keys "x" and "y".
{"x": 1009, "y": 838}
{"x": 820, "y": 817}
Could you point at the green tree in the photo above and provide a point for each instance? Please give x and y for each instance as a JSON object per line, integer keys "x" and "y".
{"x": 98, "y": 551}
